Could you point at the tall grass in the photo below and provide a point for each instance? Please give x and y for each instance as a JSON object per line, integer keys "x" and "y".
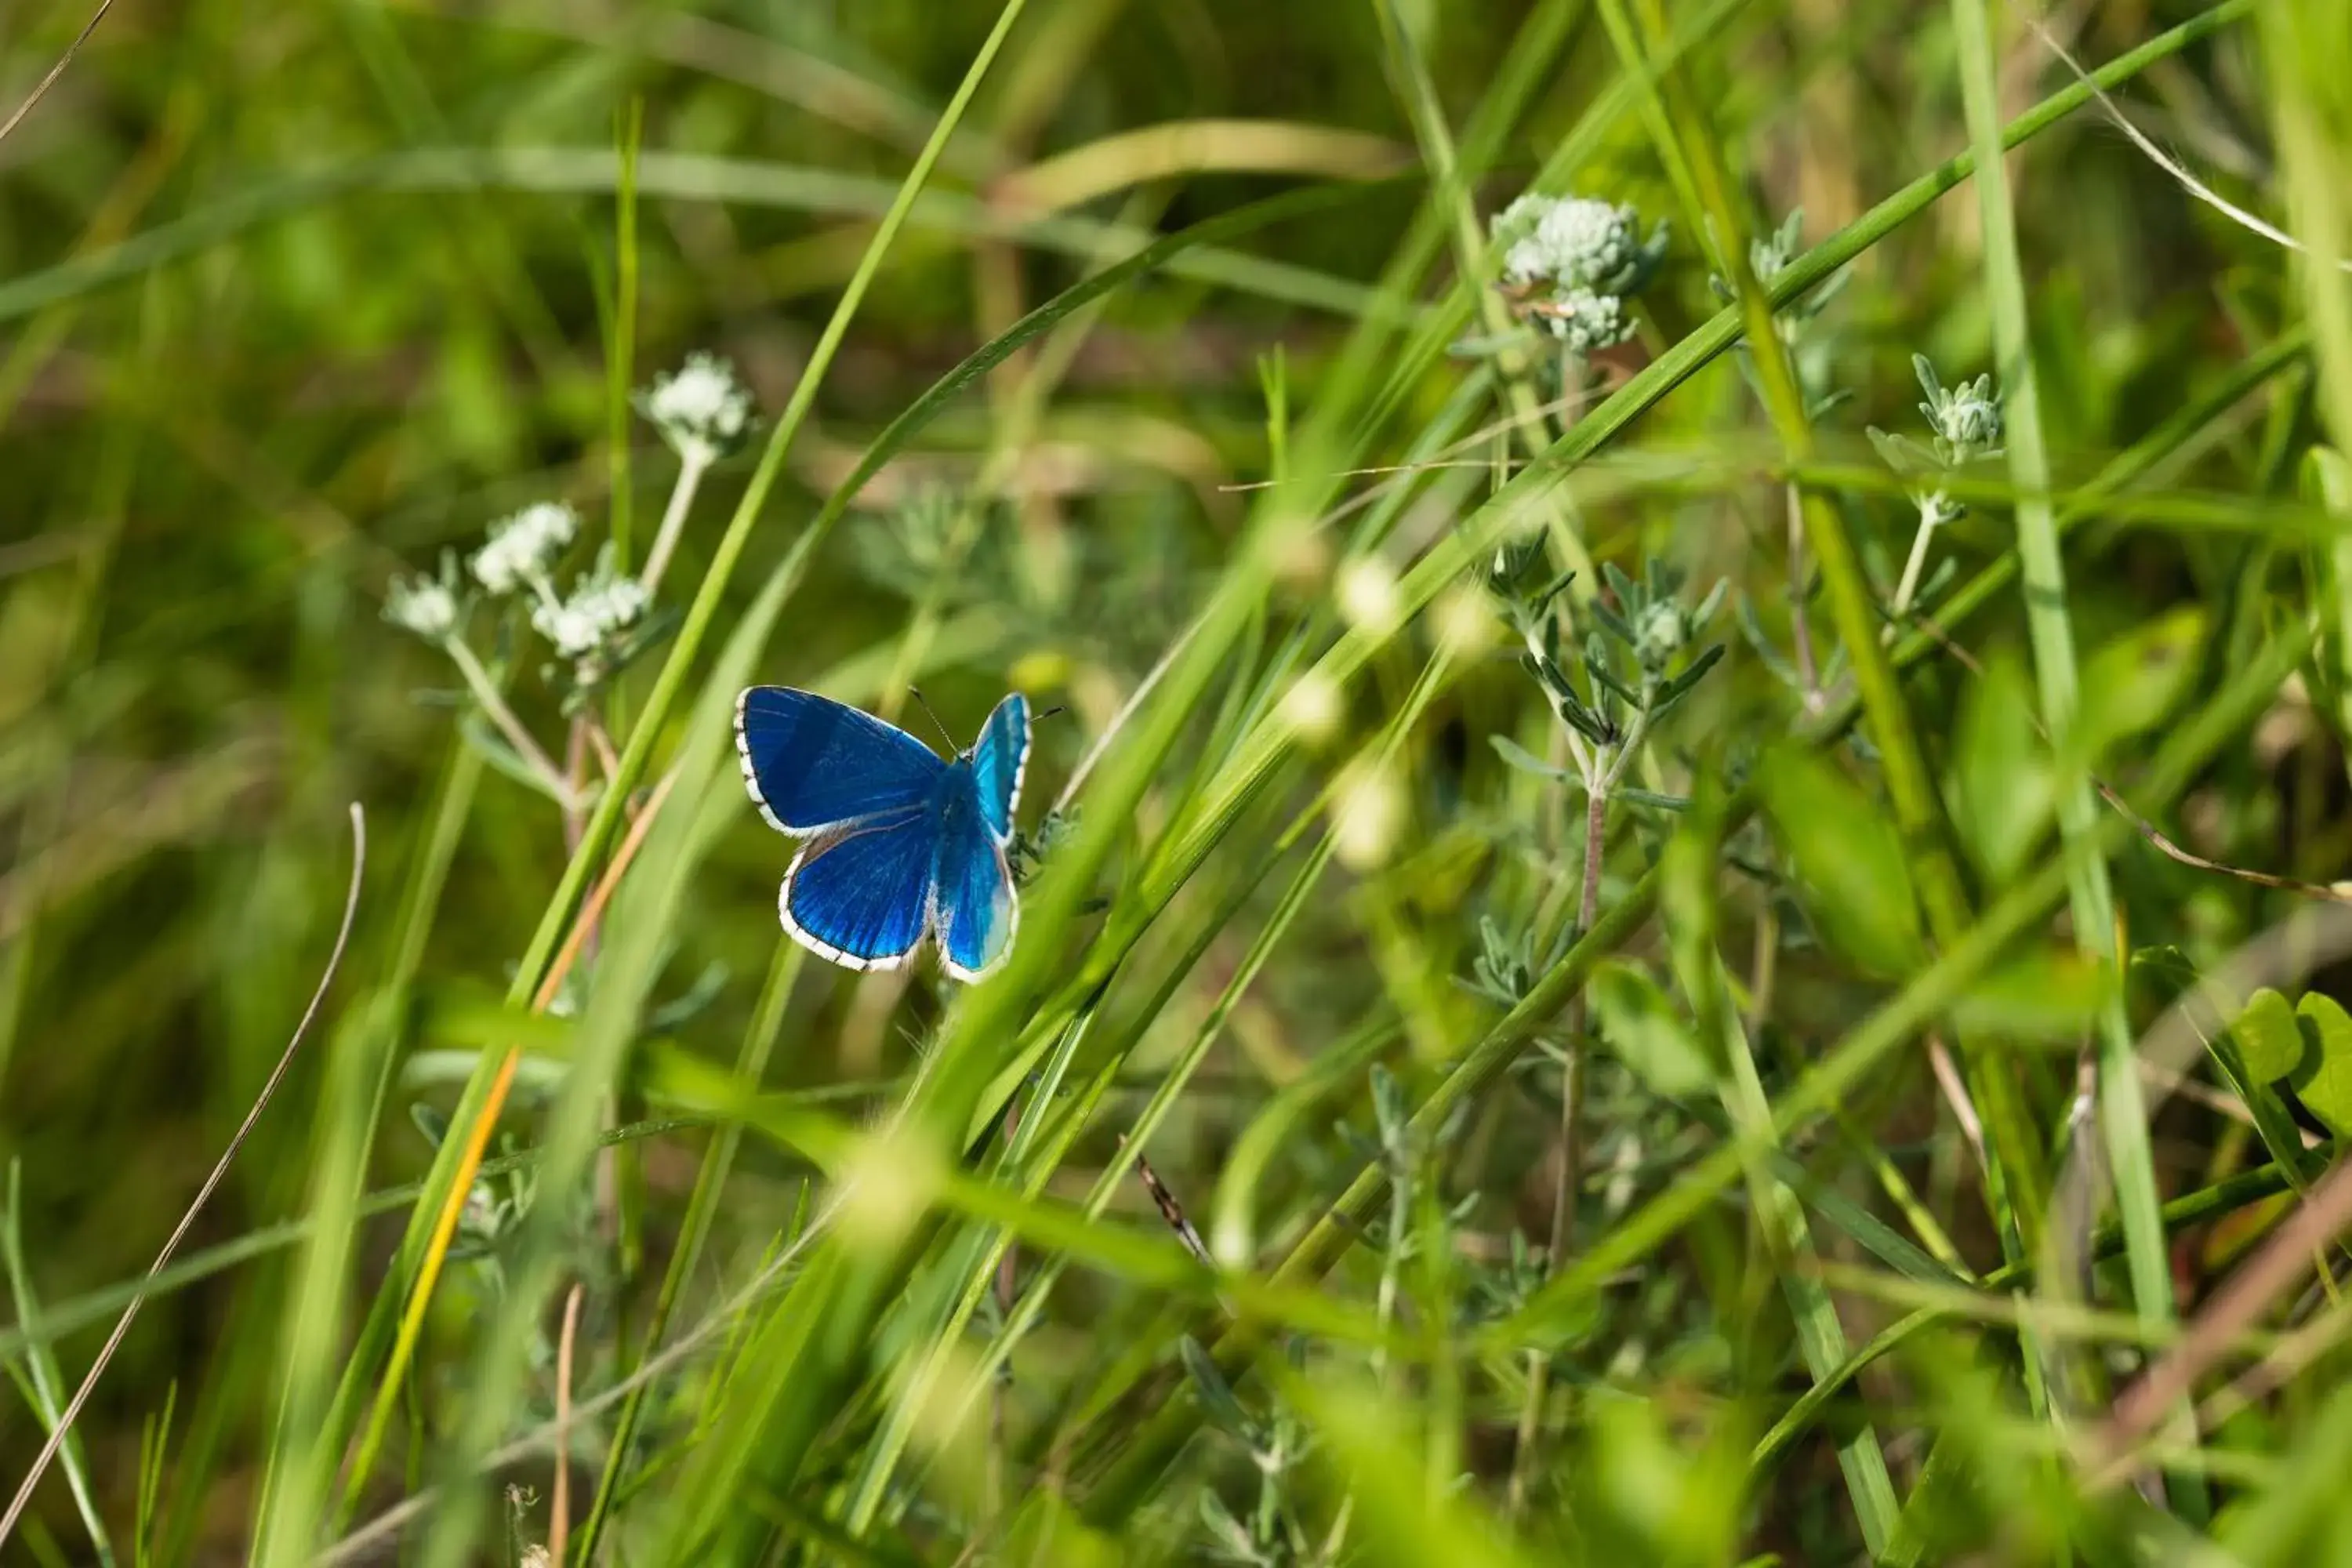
{"x": 1602, "y": 928}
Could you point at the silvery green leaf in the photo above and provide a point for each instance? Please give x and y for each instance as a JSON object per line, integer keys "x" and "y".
{"x": 1215, "y": 1393}
{"x": 1527, "y": 762}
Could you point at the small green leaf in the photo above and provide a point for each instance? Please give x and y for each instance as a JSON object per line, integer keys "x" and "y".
{"x": 1848, "y": 861}
{"x": 1644, "y": 1030}
{"x": 1216, "y": 1394}
{"x": 429, "y": 1122}
{"x": 2132, "y": 683}
{"x": 1627, "y": 795}
{"x": 2268, "y": 1038}
{"x": 2001, "y": 788}
{"x": 1527, "y": 762}
{"x": 2046, "y": 995}
{"x": 1900, "y": 452}
{"x": 2324, "y": 1080}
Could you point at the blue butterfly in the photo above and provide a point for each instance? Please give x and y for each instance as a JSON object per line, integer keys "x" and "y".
{"x": 901, "y": 845}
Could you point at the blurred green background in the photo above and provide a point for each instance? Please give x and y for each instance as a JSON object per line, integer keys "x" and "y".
{"x": 292, "y": 298}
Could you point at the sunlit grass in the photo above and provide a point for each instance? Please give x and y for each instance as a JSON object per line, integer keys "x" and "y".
{"x": 1633, "y": 947}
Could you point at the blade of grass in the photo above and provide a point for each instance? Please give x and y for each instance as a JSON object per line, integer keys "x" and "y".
{"x": 674, "y": 176}
{"x": 2123, "y": 1112}
{"x": 2016, "y": 1182}
{"x": 63, "y": 1421}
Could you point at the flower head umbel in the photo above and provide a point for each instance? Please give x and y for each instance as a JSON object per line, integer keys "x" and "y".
{"x": 522, "y": 547}
{"x": 702, "y": 409}
{"x": 586, "y": 625}
{"x": 1967, "y": 423}
{"x": 1572, "y": 261}
{"x": 1586, "y": 322}
{"x": 1575, "y": 242}
{"x": 428, "y": 606}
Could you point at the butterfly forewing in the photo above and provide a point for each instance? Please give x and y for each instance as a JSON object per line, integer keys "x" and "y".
{"x": 998, "y": 761}
{"x": 813, "y": 763}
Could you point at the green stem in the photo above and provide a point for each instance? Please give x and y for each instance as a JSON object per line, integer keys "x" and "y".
{"x": 672, "y": 683}
{"x": 486, "y": 692}
{"x": 621, "y": 369}
{"x": 1915, "y": 565}
{"x": 2123, "y": 1110}
{"x": 694, "y": 1231}
{"x": 1470, "y": 255}
{"x": 1602, "y": 774}
{"x": 2018, "y": 1186}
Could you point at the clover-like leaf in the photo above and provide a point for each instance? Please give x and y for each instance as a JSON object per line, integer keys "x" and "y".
{"x": 2001, "y": 785}
{"x": 2323, "y": 1081}
{"x": 2132, "y": 683}
{"x": 1848, "y": 859}
{"x": 1642, "y": 1026}
{"x": 2268, "y": 1036}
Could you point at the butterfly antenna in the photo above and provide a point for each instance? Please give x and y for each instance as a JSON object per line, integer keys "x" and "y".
{"x": 916, "y": 693}
{"x": 1051, "y": 713}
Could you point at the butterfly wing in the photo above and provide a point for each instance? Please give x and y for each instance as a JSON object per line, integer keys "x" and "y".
{"x": 813, "y": 763}
{"x": 971, "y": 892}
{"x": 861, "y": 895}
{"x": 998, "y": 763}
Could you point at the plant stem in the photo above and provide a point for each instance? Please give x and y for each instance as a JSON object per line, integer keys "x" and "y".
{"x": 2123, "y": 1110}
{"x": 1801, "y": 626}
{"x": 693, "y": 463}
{"x": 1572, "y": 1094}
{"x": 1931, "y": 517}
{"x": 2017, "y": 1183}
{"x": 486, "y": 692}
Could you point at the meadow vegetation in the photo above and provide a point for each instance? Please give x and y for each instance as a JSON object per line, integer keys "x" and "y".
{"x": 1684, "y": 908}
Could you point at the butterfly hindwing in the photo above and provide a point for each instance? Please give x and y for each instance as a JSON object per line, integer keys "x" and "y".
{"x": 998, "y": 761}
{"x": 813, "y": 763}
{"x": 861, "y": 896}
{"x": 971, "y": 889}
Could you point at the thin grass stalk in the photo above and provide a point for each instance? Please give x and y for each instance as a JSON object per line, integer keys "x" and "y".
{"x": 669, "y": 685}
{"x": 2123, "y": 1112}
{"x": 1114, "y": 1489}
{"x": 1022, "y": 1165}
{"x": 1820, "y": 1337}
{"x": 42, "y": 1382}
{"x": 2018, "y": 1182}
{"x": 1471, "y": 258}
{"x": 621, "y": 357}
{"x": 694, "y": 1230}
{"x": 2186, "y": 750}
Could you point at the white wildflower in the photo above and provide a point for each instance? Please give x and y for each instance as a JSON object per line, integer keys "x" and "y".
{"x": 702, "y": 409}
{"x": 1576, "y": 243}
{"x": 601, "y": 605}
{"x": 1586, "y": 322}
{"x": 522, "y": 547}
{"x": 425, "y": 606}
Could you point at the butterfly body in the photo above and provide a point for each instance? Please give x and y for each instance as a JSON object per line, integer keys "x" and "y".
{"x": 901, "y": 844}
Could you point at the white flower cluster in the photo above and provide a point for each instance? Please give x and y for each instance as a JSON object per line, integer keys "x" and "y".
{"x": 702, "y": 409}
{"x": 522, "y": 547}
{"x": 602, "y": 605}
{"x": 1586, "y": 322}
{"x": 425, "y": 606}
{"x": 1576, "y": 259}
